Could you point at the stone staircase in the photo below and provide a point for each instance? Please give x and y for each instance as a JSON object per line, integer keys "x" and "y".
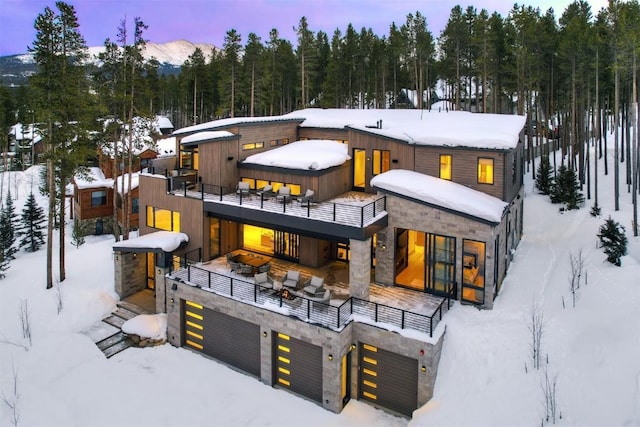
{"x": 115, "y": 340}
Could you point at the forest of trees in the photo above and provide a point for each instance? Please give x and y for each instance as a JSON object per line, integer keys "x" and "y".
{"x": 574, "y": 76}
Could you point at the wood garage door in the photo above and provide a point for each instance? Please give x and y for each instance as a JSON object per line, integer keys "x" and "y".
{"x": 226, "y": 338}
{"x": 297, "y": 366}
{"x": 388, "y": 379}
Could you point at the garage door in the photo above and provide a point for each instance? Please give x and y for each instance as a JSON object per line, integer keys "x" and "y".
{"x": 388, "y": 379}
{"x": 297, "y": 366}
{"x": 226, "y": 338}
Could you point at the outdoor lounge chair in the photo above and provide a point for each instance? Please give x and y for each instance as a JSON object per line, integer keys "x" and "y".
{"x": 284, "y": 194}
{"x": 243, "y": 189}
{"x": 314, "y": 287}
{"x": 290, "y": 280}
{"x": 263, "y": 280}
{"x": 266, "y": 192}
{"x": 323, "y": 298}
{"x": 246, "y": 269}
{"x": 236, "y": 267}
{"x": 264, "y": 268}
{"x": 307, "y": 199}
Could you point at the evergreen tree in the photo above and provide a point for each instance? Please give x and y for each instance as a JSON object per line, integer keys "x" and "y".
{"x": 33, "y": 220}
{"x": 8, "y": 225}
{"x": 613, "y": 240}
{"x": 566, "y": 189}
{"x": 77, "y": 235}
{"x": 544, "y": 177}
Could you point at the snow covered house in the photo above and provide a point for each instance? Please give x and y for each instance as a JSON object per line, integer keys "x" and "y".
{"x": 370, "y": 224}
{"x": 93, "y": 201}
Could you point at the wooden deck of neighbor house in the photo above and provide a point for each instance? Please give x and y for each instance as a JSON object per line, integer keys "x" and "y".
{"x": 392, "y": 305}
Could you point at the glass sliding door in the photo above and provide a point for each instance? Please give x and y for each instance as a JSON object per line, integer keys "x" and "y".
{"x": 441, "y": 261}
{"x": 473, "y": 271}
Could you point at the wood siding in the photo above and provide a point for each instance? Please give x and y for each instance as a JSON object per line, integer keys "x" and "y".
{"x": 464, "y": 168}
{"x": 319, "y": 133}
{"x": 402, "y": 154}
{"x": 191, "y": 218}
{"x": 83, "y": 208}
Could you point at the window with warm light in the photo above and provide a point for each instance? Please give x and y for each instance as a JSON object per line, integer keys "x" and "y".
{"x": 252, "y": 146}
{"x": 445, "y": 166}
{"x": 381, "y": 161}
{"x": 163, "y": 219}
{"x": 485, "y": 171}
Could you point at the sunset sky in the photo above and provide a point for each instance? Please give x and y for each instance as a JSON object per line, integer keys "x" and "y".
{"x": 208, "y": 20}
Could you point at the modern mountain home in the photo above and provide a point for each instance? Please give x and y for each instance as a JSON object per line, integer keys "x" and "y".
{"x": 318, "y": 251}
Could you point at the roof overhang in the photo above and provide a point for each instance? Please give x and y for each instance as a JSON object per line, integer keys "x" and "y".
{"x": 158, "y": 242}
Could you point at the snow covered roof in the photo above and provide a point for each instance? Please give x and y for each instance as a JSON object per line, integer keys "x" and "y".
{"x": 216, "y": 124}
{"x": 206, "y": 136}
{"x": 94, "y": 178}
{"x": 423, "y": 127}
{"x": 162, "y": 122}
{"x": 441, "y": 193}
{"x": 166, "y": 147}
{"x": 21, "y": 132}
{"x": 167, "y": 241}
{"x": 135, "y": 182}
{"x": 314, "y": 154}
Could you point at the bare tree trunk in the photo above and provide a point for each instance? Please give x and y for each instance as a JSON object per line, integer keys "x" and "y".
{"x": 51, "y": 184}
{"x": 62, "y": 216}
{"x": 636, "y": 143}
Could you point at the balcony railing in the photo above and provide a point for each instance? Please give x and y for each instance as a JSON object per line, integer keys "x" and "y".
{"x": 305, "y": 309}
{"x": 357, "y": 215}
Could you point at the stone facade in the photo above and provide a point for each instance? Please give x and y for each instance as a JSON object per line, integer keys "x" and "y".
{"x": 411, "y": 215}
{"x": 360, "y": 268}
{"x": 335, "y": 344}
{"x": 130, "y": 273}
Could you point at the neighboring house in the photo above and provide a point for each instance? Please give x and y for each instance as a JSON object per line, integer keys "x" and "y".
{"x": 25, "y": 142}
{"x": 121, "y": 191}
{"x": 419, "y": 208}
{"x": 93, "y": 196}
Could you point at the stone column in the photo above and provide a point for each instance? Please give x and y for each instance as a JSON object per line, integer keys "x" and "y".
{"x": 161, "y": 288}
{"x": 360, "y": 268}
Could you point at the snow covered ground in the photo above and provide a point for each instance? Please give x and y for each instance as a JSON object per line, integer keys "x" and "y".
{"x": 485, "y": 376}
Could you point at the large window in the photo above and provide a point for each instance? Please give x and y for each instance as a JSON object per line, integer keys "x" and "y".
{"x": 485, "y": 171}
{"x": 473, "y": 271}
{"x": 135, "y": 207}
{"x": 252, "y": 146}
{"x": 189, "y": 158}
{"x": 214, "y": 238}
{"x": 98, "y": 198}
{"x": 381, "y": 161}
{"x": 163, "y": 219}
{"x": 445, "y": 166}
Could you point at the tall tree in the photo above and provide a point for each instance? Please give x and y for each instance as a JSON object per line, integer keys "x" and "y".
{"x": 62, "y": 92}
{"x": 232, "y": 50}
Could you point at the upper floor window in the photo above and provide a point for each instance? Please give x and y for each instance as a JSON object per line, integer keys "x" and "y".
{"x": 134, "y": 205}
{"x": 445, "y": 166}
{"x": 189, "y": 158}
{"x": 163, "y": 219}
{"x": 276, "y": 142}
{"x": 252, "y": 146}
{"x": 98, "y": 198}
{"x": 485, "y": 171}
{"x": 381, "y": 161}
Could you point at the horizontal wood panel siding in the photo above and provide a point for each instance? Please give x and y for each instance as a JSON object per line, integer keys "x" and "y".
{"x": 334, "y": 182}
{"x": 511, "y": 187}
{"x": 155, "y": 194}
{"x": 83, "y": 208}
{"x": 402, "y": 154}
{"x": 264, "y": 133}
{"x": 464, "y": 167}
{"x": 316, "y": 133}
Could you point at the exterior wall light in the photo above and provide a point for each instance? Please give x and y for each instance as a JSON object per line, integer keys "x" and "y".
{"x": 331, "y": 357}
{"x": 174, "y": 287}
{"x": 352, "y": 347}
{"x": 421, "y": 352}
{"x": 423, "y": 369}
{"x": 264, "y": 334}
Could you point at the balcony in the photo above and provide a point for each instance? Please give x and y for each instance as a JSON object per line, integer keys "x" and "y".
{"x": 391, "y": 307}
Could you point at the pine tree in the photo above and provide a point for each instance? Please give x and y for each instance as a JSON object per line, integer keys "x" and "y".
{"x": 566, "y": 189}
{"x": 544, "y": 177}
{"x": 77, "y": 235}
{"x": 613, "y": 240}
{"x": 8, "y": 226}
{"x": 33, "y": 220}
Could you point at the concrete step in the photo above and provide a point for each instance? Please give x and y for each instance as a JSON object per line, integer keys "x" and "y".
{"x": 132, "y": 307}
{"x": 111, "y": 340}
{"x": 114, "y": 320}
{"x": 118, "y": 347}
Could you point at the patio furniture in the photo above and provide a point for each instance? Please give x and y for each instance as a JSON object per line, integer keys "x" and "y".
{"x": 252, "y": 260}
{"x": 307, "y": 199}
{"x": 236, "y": 267}
{"x": 290, "y": 280}
{"x": 264, "y": 280}
{"x": 246, "y": 269}
{"x": 314, "y": 287}
{"x": 323, "y": 298}
{"x": 284, "y": 194}
{"x": 264, "y": 268}
{"x": 243, "y": 189}
{"x": 266, "y": 192}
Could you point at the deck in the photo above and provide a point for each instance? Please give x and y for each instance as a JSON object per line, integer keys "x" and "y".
{"x": 401, "y": 308}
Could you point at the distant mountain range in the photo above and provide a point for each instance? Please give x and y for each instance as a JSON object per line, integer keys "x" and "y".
{"x": 15, "y": 69}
